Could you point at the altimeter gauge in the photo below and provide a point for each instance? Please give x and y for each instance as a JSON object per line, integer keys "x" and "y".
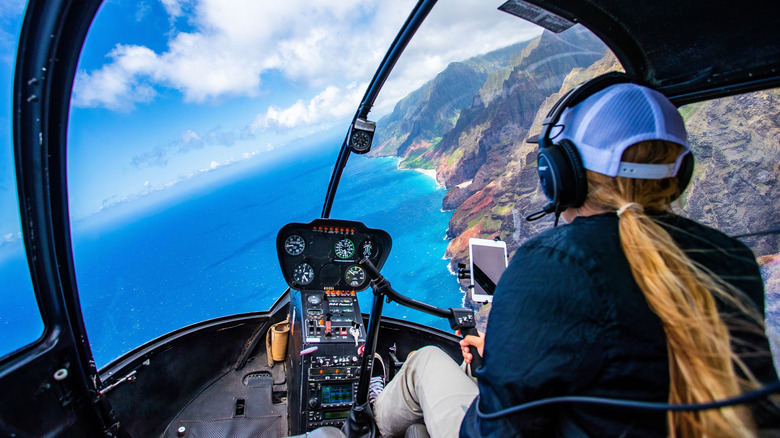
{"x": 294, "y": 245}
{"x": 344, "y": 248}
{"x": 355, "y": 276}
{"x": 303, "y": 274}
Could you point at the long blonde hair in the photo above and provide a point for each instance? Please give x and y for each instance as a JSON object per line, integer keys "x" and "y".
{"x": 683, "y": 295}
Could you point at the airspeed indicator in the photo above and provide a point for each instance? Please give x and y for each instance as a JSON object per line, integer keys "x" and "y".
{"x": 294, "y": 245}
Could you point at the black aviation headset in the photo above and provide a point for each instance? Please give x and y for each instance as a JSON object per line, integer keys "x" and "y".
{"x": 560, "y": 168}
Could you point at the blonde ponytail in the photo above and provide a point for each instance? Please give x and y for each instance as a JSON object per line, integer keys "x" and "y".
{"x": 682, "y": 294}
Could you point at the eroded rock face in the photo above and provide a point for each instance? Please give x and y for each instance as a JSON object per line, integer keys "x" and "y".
{"x": 490, "y": 170}
{"x": 735, "y": 188}
{"x": 455, "y": 196}
{"x": 770, "y": 271}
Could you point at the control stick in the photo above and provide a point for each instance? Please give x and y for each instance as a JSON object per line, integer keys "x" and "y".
{"x": 360, "y": 422}
{"x": 460, "y": 318}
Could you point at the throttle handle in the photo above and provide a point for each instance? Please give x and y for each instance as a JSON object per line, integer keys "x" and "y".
{"x": 476, "y": 359}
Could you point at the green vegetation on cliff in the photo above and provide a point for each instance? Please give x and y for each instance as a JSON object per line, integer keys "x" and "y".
{"x": 474, "y": 134}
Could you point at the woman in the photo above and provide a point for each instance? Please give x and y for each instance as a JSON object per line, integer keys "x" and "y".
{"x": 627, "y": 301}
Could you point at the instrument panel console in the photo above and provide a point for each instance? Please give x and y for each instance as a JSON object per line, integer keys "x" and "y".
{"x": 324, "y": 254}
{"x": 319, "y": 261}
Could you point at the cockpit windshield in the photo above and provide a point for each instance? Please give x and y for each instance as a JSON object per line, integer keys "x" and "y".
{"x": 198, "y": 129}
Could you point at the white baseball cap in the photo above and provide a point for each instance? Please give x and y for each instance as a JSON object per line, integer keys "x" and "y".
{"x": 606, "y": 123}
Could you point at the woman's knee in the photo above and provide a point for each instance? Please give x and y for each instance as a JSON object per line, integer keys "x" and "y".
{"x": 429, "y": 352}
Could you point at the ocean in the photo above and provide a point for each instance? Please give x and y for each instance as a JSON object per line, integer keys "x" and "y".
{"x": 208, "y": 249}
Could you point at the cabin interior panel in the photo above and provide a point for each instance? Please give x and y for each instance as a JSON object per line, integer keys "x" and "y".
{"x": 166, "y": 378}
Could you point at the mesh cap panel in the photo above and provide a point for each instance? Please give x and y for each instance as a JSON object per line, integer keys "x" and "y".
{"x": 606, "y": 123}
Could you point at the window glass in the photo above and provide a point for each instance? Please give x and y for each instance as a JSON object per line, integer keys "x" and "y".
{"x": 489, "y": 79}
{"x": 20, "y": 319}
{"x": 736, "y": 182}
{"x": 197, "y": 130}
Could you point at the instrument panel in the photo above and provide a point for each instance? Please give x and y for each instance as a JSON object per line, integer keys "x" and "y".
{"x": 324, "y": 254}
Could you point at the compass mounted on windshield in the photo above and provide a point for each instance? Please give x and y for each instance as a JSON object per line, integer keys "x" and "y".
{"x": 361, "y": 136}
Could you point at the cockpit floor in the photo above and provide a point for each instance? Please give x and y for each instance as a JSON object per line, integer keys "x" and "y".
{"x": 250, "y": 402}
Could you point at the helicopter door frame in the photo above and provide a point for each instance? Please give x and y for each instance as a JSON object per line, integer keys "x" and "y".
{"x": 53, "y": 382}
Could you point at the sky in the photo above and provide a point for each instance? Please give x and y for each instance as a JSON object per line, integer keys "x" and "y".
{"x": 167, "y": 90}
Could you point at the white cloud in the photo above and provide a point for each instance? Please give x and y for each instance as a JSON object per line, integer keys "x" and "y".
{"x": 232, "y": 44}
{"x": 318, "y": 47}
{"x": 172, "y": 7}
{"x": 189, "y": 136}
{"x": 330, "y": 105}
{"x": 116, "y": 85}
{"x": 462, "y": 29}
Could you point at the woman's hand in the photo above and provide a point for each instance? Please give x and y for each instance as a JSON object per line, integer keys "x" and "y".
{"x": 476, "y": 341}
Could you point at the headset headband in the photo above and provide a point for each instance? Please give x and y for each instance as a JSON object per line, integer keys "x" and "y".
{"x": 577, "y": 95}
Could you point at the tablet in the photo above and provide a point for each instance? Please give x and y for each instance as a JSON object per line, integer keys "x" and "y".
{"x": 488, "y": 262}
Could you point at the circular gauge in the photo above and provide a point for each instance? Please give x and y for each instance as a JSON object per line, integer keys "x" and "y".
{"x": 355, "y": 276}
{"x": 294, "y": 245}
{"x": 344, "y": 249}
{"x": 361, "y": 141}
{"x": 314, "y": 300}
{"x": 303, "y": 274}
{"x": 369, "y": 249}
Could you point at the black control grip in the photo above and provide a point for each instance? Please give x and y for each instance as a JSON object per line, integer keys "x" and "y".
{"x": 371, "y": 270}
{"x": 476, "y": 359}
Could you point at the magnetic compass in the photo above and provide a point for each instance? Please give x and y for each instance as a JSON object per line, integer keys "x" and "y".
{"x": 362, "y": 134}
{"x": 361, "y": 142}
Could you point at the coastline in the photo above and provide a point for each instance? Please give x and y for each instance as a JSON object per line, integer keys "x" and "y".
{"x": 427, "y": 172}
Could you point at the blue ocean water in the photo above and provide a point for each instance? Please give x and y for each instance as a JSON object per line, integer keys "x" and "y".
{"x": 207, "y": 249}
{"x": 20, "y": 319}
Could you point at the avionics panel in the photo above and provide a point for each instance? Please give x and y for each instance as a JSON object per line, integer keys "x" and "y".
{"x": 324, "y": 254}
{"x": 319, "y": 261}
{"x": 333, "y": 338}
{"x": 331, "y": 316}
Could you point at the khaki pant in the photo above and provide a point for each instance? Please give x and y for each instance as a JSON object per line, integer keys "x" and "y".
{"x": 429, "y": 388}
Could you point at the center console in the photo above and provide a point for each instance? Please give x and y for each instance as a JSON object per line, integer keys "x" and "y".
{"x": 319, "y": 261}
{"x": 333, "y": 336}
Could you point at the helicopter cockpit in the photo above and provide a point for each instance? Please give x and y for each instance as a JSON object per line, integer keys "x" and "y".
{"x": 170, "y": 266}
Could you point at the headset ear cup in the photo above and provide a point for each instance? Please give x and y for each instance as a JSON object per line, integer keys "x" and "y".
{"x": 685, "y": 173}
{"x": 548, "y": 167}
{"x": 576, "y": 188}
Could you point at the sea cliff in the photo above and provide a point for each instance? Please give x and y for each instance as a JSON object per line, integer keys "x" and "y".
{"x": 475, "y": 139}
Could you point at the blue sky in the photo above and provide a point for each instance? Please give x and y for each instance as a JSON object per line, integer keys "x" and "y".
{"x": 169, "y": 89}
{"x": 10, "y": 23}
